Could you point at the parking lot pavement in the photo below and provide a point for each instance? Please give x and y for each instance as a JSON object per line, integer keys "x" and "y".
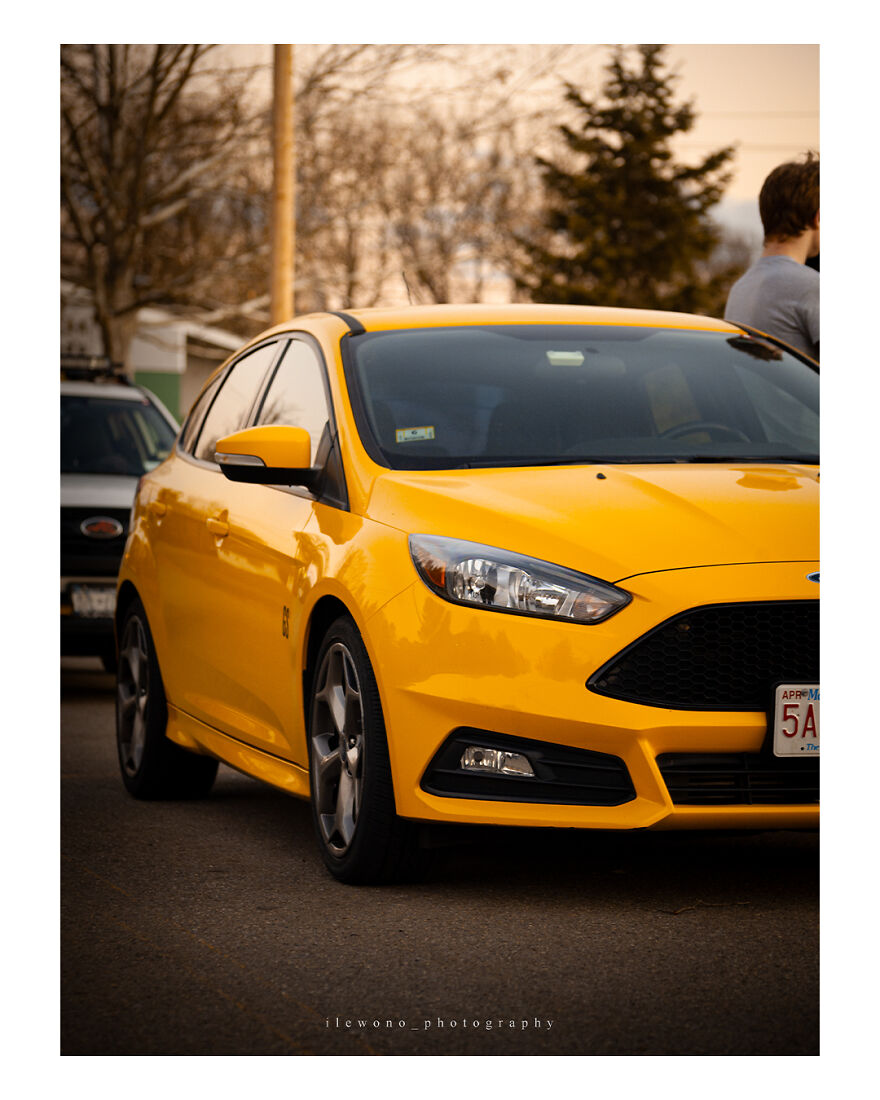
{"x": 211, "y": 927}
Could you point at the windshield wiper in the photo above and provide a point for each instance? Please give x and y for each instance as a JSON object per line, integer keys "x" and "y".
{"x": 488, "y": 461}
{"x": 563, "y": 460}
{"x": 795, "y": 460}
{"x": 592, "y": 460}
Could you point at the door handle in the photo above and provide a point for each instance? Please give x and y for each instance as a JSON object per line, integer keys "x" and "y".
{"x": 218, "y": 526}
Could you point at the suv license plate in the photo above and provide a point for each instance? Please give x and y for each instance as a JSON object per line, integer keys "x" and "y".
{"x": 93, "y": 601}
{"x": 796, "y": 720}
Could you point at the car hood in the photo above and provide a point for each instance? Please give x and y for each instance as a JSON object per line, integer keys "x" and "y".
{"x": 97, "y": 491}
{"x": 615, "y": 522}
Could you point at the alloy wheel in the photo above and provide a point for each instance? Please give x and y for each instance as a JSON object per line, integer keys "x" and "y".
{"x": 337, "y": 736}
{"x": 132, "y": 696}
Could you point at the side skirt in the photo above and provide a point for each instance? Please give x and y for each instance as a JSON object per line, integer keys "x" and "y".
{"x": 190, "y": 733}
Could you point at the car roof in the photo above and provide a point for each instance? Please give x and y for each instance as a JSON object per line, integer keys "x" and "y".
{"x": 530, "y": 313}
{"x": 114, "y": 390}
{"x": 384, "y": 319}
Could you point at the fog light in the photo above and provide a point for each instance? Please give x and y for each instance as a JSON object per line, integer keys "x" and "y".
{"x": 475, "y": 758}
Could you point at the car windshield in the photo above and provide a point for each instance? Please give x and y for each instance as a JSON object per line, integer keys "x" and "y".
{"x": 105, "y": 435}
{"x": 542, "y": 394}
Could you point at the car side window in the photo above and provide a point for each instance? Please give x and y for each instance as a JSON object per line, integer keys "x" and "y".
{"x": 297, "y": 394}
{"x": 232, "y": 405}
{"x": 196, "y": 415}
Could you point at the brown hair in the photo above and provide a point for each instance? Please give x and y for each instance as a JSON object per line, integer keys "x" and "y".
{"x": 789, "y": 199}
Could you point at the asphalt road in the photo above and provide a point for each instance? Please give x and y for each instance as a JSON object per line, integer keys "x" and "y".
{"x": 212, "y": 928}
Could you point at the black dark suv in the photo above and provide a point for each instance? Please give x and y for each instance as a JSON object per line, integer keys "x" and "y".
{"x": 112, "y": 432}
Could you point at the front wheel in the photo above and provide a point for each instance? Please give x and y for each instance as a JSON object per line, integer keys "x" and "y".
{"x": 151, "y": 765}
{"x": 361, "y": 837}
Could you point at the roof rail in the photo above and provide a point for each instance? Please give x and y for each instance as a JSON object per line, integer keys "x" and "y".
{"x": 91, "y": 368}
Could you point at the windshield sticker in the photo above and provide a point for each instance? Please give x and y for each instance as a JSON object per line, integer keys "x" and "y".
{"x": 566, "y": 358}
{"x": 411, "y": 435}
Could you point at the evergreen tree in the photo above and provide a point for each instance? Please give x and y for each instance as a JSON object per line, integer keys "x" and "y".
{"x": 627, "y": 225}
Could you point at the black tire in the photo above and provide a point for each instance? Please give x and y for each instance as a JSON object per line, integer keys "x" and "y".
{"x": 152, "y": 766}
{"x": 362, "y": 840}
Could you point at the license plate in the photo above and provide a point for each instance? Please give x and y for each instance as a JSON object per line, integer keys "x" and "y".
{"x": 796, "y": 720}
{"x": 93, "y": 601}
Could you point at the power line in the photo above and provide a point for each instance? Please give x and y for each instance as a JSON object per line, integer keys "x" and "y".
{"x": 757, "y": 114}
{"x": 748, "y": 147}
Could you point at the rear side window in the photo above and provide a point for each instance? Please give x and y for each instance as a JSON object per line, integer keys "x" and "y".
{"x": 231, "y": 408}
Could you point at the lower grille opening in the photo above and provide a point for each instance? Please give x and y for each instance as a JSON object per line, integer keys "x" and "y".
{"x": 739, "y": 779}
{"x": 717, "y": 657}
{"x": 563, "y": 775}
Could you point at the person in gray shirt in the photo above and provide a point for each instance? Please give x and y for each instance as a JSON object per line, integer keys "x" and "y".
{"x": 780, "y": 294}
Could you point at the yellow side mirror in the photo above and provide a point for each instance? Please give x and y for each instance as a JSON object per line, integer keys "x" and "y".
{"x": 275, "y": 454}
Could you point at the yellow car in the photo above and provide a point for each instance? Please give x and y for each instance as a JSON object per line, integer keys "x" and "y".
{"x": 514, "y": 565}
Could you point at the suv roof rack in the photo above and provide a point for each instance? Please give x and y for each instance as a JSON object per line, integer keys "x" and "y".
{"x": 91, "y": 368}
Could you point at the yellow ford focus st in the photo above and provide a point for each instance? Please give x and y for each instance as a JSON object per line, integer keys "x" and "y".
{"x": 517, "y": 565}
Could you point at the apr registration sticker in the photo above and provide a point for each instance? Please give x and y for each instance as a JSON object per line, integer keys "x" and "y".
{"x": 796, "y": 720}
{"x": 412, "y": 435}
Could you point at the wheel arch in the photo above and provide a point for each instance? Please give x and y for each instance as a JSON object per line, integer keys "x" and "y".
{"x": 125, "y": 597}
{"x": 327, "y": 609}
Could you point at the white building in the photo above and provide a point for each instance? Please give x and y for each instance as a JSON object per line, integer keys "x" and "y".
{"x": 170, "y": 356}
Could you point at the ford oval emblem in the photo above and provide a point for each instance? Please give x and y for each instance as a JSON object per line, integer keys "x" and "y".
{"x": 813, "y": 577}
{"x": 101, "y": 527}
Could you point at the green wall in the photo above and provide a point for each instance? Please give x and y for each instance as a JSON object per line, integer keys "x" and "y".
{"x": 164, "y": 385}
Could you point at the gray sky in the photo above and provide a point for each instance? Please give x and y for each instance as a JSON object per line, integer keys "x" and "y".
{"x": 764, "y": 99}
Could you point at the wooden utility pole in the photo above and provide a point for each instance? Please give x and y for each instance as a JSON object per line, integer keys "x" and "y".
{"x": 283, "y": 189}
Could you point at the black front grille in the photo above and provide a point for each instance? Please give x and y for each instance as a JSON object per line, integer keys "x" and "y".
{"x": 563, "y": 775}
{"x": 91, "y": 557}
{"x": 739, "y": 779}
{"x": 718, "y": 657}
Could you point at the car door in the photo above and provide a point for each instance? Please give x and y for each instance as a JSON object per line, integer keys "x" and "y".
{"x": 198, "y": 599}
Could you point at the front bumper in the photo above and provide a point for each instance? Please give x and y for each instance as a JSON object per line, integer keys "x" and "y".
{"x": 441, "y": 667}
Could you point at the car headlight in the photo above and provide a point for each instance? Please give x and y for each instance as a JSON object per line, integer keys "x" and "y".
{"x": 498, "y": 580}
